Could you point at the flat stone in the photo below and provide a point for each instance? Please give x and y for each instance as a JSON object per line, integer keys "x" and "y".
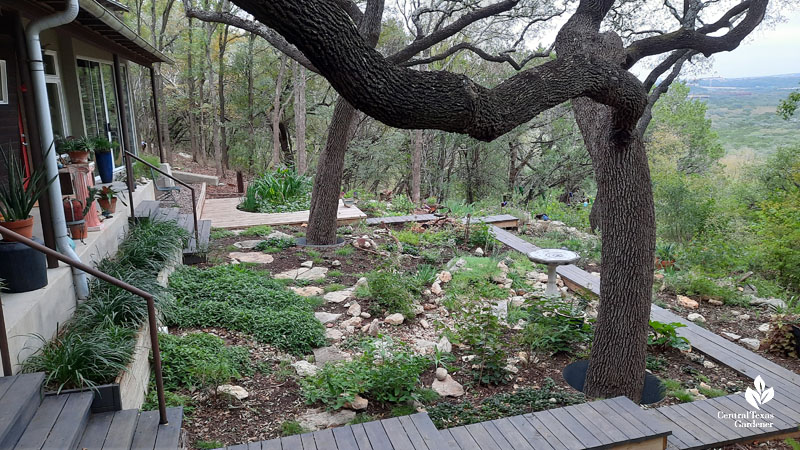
{"x": 318, "y": 419}
{"x": 307, "y": 291}
{"x": 354, "y": 309}
{"x": 775, "y": 303}
{"x": 441, "y": 373}
{"x": 248, "y": 244}
{"x": 444, "y": 345}
{"x": 764, "y": 327}
{"x": 308, "y": 264}
{"x": 329, "y": 354}
{"x": 333, "y": 334}
{"x": 436, "y": 288}
{"x": 709, "y": 365}
{"x": 304, "y": 273}
{"x": 424, "y": 324}
{"x": 338, "y": 296}
{"x": 752, "y": 344}
{"x": 305, "y": 368}
{"x": 732, "y": 336}
{"x": 448, "y": 387}
{"x": 686, "y": 302}
{"x": 326, "y": 317}
{"x": 444, "y": 277}
{"x": 501, "y": 309}
{"x": 478, "y": 252}
{"x": 357, "y": 404}
{"x": 695, "y": 317}
{"x": 279, "y": 235}
{"x": 237, "y": 392}
{"x": 374, "y": 327}
{"x": 395, "y": 319}
{"x": 352, "y": 322}
{"x": 251, "y": 257}
{"x": 716, "y": 302}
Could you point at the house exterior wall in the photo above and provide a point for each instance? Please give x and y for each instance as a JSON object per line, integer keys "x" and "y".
{"x": 9, "y": 113}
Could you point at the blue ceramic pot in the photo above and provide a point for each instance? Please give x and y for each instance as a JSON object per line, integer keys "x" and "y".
{"x": 105, "y": 165}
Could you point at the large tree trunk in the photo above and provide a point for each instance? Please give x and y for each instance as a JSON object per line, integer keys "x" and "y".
{"x": 328, "y": 180}
{"x": 192, "y": 101}
{"x": 276, "y": 115}
{"x": 416, "y": 165}
{"x": 300, "y": 117}
{"x": 223, "y": 40}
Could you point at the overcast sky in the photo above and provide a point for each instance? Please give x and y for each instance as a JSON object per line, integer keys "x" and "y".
{"x": 773, "y": 51}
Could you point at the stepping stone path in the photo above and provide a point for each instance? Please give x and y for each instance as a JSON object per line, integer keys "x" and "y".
{"x": 248, "y": 245}
{"x": 251, "y": 257}
{"x": 338, "y": 296}
{"x": 307, "y": 291}
{"x": 329, "y": 354}
{"x": 326, "y": 317}
{"x": 303, "y": 273}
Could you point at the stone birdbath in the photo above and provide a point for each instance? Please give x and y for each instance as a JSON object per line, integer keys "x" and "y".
{"x": 553, "y": 257}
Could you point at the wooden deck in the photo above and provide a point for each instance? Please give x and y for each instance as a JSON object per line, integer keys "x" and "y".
{"x": 500, "y": 220}
{"x": 222, "y": 213}
{"x": 611, "y": 423}
{"x": 696, "y": 424}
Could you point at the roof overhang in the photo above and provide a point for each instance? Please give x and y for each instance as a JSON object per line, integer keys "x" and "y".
{"x": 100, "y": 26}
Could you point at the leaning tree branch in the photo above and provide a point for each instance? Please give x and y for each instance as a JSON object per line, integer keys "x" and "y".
{"x": 259, "y": 29}
{"x": 410, "y": 99}
{"x": 699, "y": 39}
{"x": 662, "y": 88}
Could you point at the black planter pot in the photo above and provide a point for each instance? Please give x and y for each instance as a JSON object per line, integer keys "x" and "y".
{"x": 22, "y": 268}
{"x": 575, "y": 376}
{"x": 107, "y": 398}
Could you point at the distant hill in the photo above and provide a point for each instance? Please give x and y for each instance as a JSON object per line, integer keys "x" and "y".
{"x": 743, "y": 112}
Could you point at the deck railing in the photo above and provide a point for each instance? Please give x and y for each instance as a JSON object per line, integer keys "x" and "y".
{"x": 151, "y": 312}
{"x": 131, "y": 188}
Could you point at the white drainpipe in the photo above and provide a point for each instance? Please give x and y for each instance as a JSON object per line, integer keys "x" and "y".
{"x": 46, "y": 133}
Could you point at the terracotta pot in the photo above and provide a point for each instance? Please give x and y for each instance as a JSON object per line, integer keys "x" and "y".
{"x": 664, "y": 263}
{"x": 78, "y": 231}
{"x": 110, "y": 206}
{"x": 79, "y": 157}
{"x": 23, "y": 227}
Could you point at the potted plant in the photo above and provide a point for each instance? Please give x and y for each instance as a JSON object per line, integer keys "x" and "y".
{"x": 104, "y": 157}
{"x": 78, "y": 149}
{"x": 19, "y": 193}
{"x": 107, "y": 199}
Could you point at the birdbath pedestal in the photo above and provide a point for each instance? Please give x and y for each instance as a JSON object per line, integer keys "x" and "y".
{"x": 553, "y": 257}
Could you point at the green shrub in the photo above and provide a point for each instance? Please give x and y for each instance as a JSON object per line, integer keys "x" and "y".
{"x": 554, "y": 326}
{"x": 664, "y": 335}
{"x": 280, "y": 191}
{"x": 257, "y": 231}
{"x": 479, "y": 328}
{"x": 387, "y": 372}
{"x": 200, "y": 360}
{"x": 697, "y": 285}
{"x": 221, "y": 233}
{"x": 390, "y": 291}
{"x": 291, "y": 427}
{"x": 523, "y": 401}
{"x": 475, "y": 280}
{"x": 275, "y": 244}
{"x": 240, "y": 299}
{"x": 152, "y": 245}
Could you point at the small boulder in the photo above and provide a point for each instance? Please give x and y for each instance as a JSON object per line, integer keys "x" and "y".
{"x": 338, "y": 296}
{"x": 305, "y": 368}
{"x": 686, "y": 302}
{"x": 237, "y": 392}
{"x": 352, "y": 322}
{"x": 357, "y": 404}
{"x": 308, "y": 264}
{"x": 444, "y": 345}
{"x": 751, "y": 343}
{"x": 764, "y": 327}
{"x": 716, "y": 302}
{"x": 365, "y": 315}
{"x": 441, "y": 373}
{"x": 436, "y": 288}
{"x": 354, "y": 309}
{"x": 775, "y": 303}
{"x": 709, "y": 365}
{"x": 329, "y": 354}
{"x": 424, "y": 324}
{"x": 374, "y": 328}
{"x": 248, "y": 244}
{"x": 444, "y": 277}
{"x": 318, "y": 419}
{"x": 695, "y": 317}
{"x": 361, "y": 282}
{"x": 744, "y": 317}
{"x": 478, "y": 252}
{"x": 448, "y": 387}
{"x": 307, "y": 291}
{"x": 326, "y": 317}
{"x": 333, "y": 334}
{"x": 336, "y": 263}
{"x": 394, "y": 319}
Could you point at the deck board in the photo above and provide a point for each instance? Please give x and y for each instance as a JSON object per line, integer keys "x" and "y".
{"x": 222, "y": 213}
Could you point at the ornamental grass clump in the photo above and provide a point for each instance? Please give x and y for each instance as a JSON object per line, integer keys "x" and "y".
{"x": 280, "y": 191}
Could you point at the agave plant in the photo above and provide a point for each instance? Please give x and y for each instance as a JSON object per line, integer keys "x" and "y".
{"x": 19, "y": 193}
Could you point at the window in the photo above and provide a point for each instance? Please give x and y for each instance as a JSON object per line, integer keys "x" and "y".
{"x": 55, "y": 95}
{"x": 99, "y": 102}
{"x": 3, "y": 83}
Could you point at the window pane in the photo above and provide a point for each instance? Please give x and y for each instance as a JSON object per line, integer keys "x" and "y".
{"x": 56, "y": 115}
{"x": 111, "y": 108}
{"x": 91, "y": 97}
{"x": 49, "y": 61}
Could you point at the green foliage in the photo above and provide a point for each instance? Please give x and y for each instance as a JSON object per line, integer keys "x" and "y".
{"x": 574, "y": 216}
{"x": 142, "y": 171}
{"x": 345, "y": 251}
{"x": 172, "y": 399}
{"x": 201, "y": 360}
{"x": 152, "y": 245}
{"x": 387, "y": 372}
{"x": 697, "y": 285}
{"x": 554, "y": 326}
{"x": 781, "y": 339}
{"x": 474, "y": 280}
{"x": 208, "y": 445}
{"x": 20, "y": 192}
{"x": 390, "y": 291}
{"x": 241, "y": 299}
{"x": 221, "y": 233}
{"x": 280, "y": 191}
{"x": 291, "y": 427}
{"x": 655, "y": 363}
{"x": 664, "y": 335}
{"x": 480, "y": 329}
{"x": 788, "y": 106}
{"x": 275, "y": 244}
{"x": 257, "y": 231}
{"x": 523, "y": 401}
{"x": 684, "y": 204}
{"x": 673, "y": 388}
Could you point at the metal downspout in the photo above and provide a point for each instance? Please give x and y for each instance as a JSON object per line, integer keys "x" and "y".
{"x": 63, "y": 242}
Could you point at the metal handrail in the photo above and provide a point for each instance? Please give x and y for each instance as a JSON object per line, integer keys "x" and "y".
{"x": 151, "y": 312}
{"x": 128, "y": 156}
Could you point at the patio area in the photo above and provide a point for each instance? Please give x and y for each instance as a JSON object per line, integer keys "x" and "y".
{"x": 222, "y": 213}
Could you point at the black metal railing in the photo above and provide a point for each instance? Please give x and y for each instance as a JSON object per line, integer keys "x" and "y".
{"x": 131, "y": 188}
{"x": 151, "y": 312}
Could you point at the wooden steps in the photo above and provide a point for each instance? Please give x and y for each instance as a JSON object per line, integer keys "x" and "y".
{"x": 29, "y": 421}
{"x": 194, "y": 252}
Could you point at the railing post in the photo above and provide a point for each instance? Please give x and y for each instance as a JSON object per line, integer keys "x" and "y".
{"x": 4, "y": 344}
{"x": 151, "y": 317}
